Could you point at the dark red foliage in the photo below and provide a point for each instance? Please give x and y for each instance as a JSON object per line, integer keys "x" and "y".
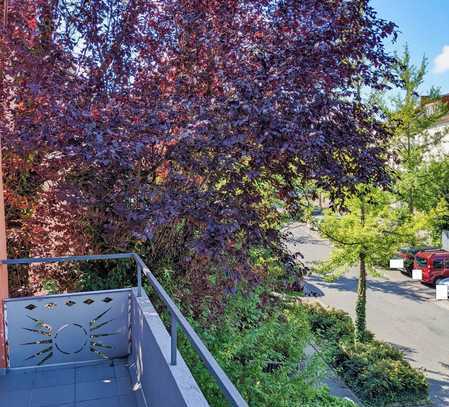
{"x": 126, "y": 117}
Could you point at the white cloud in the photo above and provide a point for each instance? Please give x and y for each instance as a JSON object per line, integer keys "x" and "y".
{"x": 442, "y": 61}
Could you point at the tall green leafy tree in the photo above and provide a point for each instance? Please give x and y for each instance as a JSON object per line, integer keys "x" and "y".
{"x": 376, "y": 222}
{"x": 414, "y": 137}
{"x": 436, "y": 186}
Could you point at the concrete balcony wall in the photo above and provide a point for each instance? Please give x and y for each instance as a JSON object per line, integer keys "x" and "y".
{"x": 160, "y": 383}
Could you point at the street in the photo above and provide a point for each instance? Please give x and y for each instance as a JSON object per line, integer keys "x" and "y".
{"x": 400, "y": 311}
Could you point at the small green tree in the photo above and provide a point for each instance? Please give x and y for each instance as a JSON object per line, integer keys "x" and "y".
{"x": 369, "y": 231}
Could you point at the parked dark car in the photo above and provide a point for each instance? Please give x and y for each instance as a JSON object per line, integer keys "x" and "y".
{"x": 408, "y": 255}
{"x": 434, "y": 265}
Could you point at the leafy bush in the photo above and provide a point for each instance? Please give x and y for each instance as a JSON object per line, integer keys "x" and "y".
{"x": 376, "y": 371}
{"x": 439, "y": 220}
{"x": 260, "y": 346}
{"x": 330, "y": 325}
{"x": 106, "y": 275}
{"x": 379, "y": 373}
{"x": 280, "y": 272}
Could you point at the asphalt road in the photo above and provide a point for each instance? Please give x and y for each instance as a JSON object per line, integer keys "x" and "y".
{"x": 400, "y": 311}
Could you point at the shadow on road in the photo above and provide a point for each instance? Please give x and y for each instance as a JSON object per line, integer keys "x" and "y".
{"x": 305, "y": 240}
{"x": 311, "y": 290}
{"x": 341, "y": 284}
{"x": 406, "y": 289}
{"x": 439, "y": 390}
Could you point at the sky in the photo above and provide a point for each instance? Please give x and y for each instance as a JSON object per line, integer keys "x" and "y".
{"x": 424, "y": 26}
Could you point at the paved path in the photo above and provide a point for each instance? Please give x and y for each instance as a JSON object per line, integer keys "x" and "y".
{"x": 399, "y": 311}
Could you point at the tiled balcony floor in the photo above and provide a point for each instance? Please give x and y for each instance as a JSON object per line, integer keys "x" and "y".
{"x": 99, "y": 385}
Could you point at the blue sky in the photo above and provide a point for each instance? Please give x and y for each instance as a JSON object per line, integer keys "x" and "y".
{"x": 424, "y": 26}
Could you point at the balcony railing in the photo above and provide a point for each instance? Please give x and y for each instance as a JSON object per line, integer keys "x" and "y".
{"x": 110, "y": 324}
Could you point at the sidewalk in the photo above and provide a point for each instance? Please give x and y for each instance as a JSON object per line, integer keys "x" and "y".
{"x": 336, "y": 386}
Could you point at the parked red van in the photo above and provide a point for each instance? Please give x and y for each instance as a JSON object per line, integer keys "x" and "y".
{"x": 434, "y": 265}
{"x": 408, "y": 255}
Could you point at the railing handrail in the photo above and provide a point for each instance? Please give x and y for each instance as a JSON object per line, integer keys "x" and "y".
{"x": 229, "y": 390}
{"x": 67, "y": 259}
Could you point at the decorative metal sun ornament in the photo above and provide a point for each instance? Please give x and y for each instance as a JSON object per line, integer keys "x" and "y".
{"x": 68, "y": 329}
{"x": 69, "y": 338}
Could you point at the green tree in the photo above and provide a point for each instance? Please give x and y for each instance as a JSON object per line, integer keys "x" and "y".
{"x": 368, "y": 231}
{"x": 434, "y": 186}
{"x": 412, "y": 119}
{"x": 439, "y": 220}
{"x": 375, "y": 222}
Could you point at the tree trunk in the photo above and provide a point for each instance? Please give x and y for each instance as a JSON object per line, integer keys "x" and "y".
{"x": 360, "y": 309}
{"x": 411, "y": 166}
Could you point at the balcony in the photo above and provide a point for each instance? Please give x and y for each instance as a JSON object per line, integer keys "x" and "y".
{"x": 104, "y": 348}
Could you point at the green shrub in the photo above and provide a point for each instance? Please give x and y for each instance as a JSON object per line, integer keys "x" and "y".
{"x": 281, "y": 274}
{"x": 376, "y": 371}
{"x": 379, "y": 373}
{"x": 330, "y": 326}
{"x": 106, "y": 275}
{"x": 260, "y": 347}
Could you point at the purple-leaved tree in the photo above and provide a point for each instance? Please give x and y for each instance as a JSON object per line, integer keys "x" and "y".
{"x": 149, "y": 125}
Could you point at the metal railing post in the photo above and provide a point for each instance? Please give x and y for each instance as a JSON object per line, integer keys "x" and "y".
{"x": 3, "y": 268}
{"x": 139, "y": 280}
{"x": 174, "y": 338}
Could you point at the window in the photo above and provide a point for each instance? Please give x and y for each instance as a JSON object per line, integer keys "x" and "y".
{"x": 422, "y": 262}
{"x": 437, "y": 264}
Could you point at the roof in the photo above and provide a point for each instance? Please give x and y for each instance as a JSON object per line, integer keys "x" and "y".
{"x": 428, "y": 100}
{"x": 425, "y": 100}
{"x": 428, "y": 254}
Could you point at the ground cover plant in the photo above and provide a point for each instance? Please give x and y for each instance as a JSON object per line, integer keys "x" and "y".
{"x": 376, "y": 371}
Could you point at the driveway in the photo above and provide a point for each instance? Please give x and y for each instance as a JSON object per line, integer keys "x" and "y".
{"x": 400, "y": 311}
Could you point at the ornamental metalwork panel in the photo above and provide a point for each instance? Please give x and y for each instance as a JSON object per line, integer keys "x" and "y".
{"x": 68, "y": 328}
